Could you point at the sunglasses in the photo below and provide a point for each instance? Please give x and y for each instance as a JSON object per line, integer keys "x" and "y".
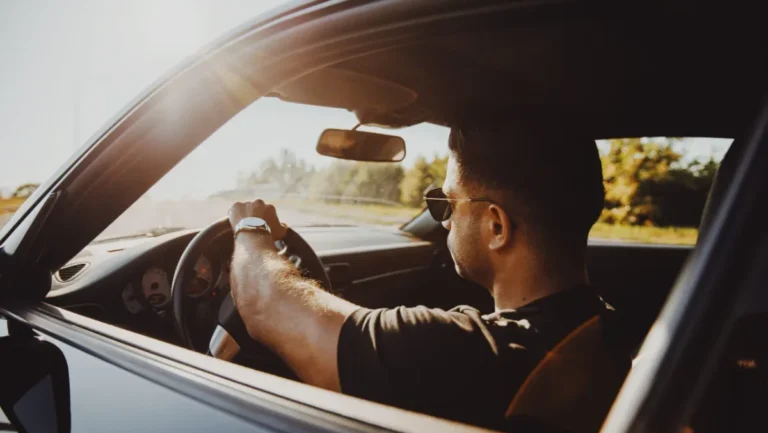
{"x": 439, "y": 205}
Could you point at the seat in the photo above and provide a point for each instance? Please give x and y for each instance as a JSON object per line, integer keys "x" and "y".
{"x": 573, "y": 387}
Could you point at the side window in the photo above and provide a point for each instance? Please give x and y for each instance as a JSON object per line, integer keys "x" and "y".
{"x": 656, "y": 187}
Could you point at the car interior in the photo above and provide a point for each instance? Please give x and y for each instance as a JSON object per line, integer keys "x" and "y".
{"x": 438, "y": 77}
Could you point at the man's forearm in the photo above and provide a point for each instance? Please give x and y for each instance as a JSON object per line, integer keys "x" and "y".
{"x": 290, "y": 314}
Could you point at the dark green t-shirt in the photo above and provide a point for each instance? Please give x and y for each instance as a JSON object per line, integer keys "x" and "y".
{"x": 457, "y": 364}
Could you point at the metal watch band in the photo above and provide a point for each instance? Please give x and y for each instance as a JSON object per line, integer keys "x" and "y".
{"x": 251, "y": 224}
{"x": 251, "y": 229}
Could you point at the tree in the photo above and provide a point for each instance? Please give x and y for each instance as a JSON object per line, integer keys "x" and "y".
{"x": 344, "y": 181}
{"x": 288, "y": 171}
{"x": 679, "y": 196}
{"x": 25, "y": 190}
{"x": 646, "y": 184}
{"x": 421, "y": 176}
{"x": 377, "y": 181}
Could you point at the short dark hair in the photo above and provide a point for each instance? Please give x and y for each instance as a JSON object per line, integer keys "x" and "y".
{"x": 545, "y": 172}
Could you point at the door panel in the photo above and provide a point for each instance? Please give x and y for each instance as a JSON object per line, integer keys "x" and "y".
{"x": 107, "y": 398}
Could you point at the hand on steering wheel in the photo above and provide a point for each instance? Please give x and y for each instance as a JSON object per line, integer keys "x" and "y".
{"x": 259, "y": 209}
{"x": 238, "y": 212}
{"x": 231, "y": 336}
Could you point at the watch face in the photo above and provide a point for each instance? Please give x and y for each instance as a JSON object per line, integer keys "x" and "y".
{"x": 253, "y": 222}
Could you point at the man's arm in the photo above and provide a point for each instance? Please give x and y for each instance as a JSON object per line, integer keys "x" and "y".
{"x": 290, "y": 314}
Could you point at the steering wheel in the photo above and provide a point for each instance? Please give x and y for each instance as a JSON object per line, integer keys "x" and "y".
{"x": 231, "y": 336}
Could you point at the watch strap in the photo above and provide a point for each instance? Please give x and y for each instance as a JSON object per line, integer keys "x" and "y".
{"x": 251, "y": 224}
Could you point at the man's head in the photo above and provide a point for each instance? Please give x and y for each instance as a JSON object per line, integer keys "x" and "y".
{"x": 546, "y": 188}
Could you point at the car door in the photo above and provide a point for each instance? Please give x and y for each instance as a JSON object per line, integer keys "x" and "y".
{"x": 105, "y": 397}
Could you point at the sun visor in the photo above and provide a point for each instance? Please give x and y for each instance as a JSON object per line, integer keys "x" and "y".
{"x": 341, "y": 88}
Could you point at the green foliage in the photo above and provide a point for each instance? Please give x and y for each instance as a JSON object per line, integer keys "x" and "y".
{"x": 288, "y": 171}
{"x": 422, "y": 175}
{"x": 358, "y": 182}
{"x": 646, "y": 184}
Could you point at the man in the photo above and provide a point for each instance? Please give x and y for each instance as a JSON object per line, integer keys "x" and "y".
{"x": 518, "y": 206}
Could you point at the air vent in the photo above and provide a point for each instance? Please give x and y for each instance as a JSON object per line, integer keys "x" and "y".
{"x": 70, "y": 272}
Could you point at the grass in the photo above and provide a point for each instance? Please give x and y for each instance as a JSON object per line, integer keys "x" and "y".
{"x": 9, "y": 205}
{"x": 642, "y": 234}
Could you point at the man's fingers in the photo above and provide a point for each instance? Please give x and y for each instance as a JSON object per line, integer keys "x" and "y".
{"x": 258, "y": 208}
{"x": 272, "y": 220}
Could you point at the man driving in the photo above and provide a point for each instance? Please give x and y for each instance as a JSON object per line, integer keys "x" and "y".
{"x": 518, "y": 203}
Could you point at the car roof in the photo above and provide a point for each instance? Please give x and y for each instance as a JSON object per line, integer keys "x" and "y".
{"x": 652, "y": 69}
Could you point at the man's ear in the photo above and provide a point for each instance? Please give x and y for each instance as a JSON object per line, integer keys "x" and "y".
{"x": 500, "y": 228}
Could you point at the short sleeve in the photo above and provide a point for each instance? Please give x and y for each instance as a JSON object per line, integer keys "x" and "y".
{"x": 421, "y": 359}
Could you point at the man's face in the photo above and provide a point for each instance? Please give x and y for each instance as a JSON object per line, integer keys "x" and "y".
{"x": 464, "y": 240}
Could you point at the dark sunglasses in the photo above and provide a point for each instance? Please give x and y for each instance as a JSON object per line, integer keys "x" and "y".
{"x": 439, "y": 205}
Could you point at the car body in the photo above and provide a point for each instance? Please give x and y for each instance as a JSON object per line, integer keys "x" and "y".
{"x": 121, "y": 380}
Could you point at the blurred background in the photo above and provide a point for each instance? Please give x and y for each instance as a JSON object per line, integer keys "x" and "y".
{"x": 70, "y": 67}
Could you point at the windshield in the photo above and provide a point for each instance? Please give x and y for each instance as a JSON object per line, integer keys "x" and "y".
{"x": 268, "y": 151}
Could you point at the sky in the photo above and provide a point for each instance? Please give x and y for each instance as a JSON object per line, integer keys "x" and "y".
{"x": 70, "y": 66}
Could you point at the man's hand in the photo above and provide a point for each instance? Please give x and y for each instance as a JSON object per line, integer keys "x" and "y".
{"x": 251, "y": 289}
{"x": 290, "y": 314}
{"x": 258, "y": 208}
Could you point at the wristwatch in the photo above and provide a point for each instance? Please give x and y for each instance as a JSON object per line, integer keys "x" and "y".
{"x": 252, "y": 224}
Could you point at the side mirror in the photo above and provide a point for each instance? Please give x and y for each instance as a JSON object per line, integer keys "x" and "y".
{"x": 361, "y": 146}
{"x": 34, "y": 385}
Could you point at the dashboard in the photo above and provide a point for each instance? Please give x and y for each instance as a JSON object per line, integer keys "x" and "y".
{"x": 152, "y": 290}
{"x": 127, "y": 282}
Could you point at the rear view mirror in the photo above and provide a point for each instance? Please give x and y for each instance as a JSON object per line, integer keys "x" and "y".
{"x": 34, "y": 385}
{"x": 361, "y": 146}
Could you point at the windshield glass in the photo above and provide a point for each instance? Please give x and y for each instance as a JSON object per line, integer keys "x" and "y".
{"x": 268, "y": 151}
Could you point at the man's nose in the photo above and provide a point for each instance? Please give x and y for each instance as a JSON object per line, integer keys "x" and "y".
{"x": 447, "y": 224}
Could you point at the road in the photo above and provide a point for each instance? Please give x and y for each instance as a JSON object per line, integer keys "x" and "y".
{"x": 147, "y": 214}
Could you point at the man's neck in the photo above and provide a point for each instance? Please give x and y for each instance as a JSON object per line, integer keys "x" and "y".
{"x": 521, "y": 285}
